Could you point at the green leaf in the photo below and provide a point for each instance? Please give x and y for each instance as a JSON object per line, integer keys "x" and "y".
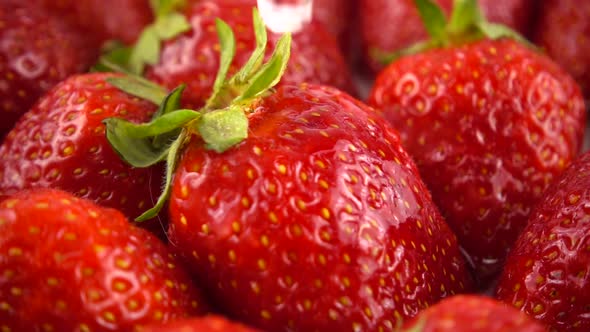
{"x": 115, "y": 56}
{"x": 161, "y": 125}
{"x": 222, "y": 129}
{"x": 227, "y": 43}
{"x": 171, "y": 103}
{"x": 466, "y": 14}
{"x": 139, "y": 87}
{"x": 171, "y": 25}
{"x": 433, "y": 17}
{"x": 146, "y": 51}
{"x": 171, "y": 161}
{"x": 497, "y": 31}
{"x": 137, "y": 152}
{"x": 165, "y": 7}
{"x": 271, "y": 72}
{"x": 386, "y": 58}
{"x": 257, "y": 57}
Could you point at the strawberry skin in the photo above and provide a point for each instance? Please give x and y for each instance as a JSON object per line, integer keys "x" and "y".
{"x": 60, "y": 143}
{"x": 547, "y": 274}
{"x": 490, "y": 125}
{"x": 319, "y": 219}
{"x": 205, "y": 324}
{"x": 563, "y": 30}
{"x": 37, "y": 51}
{"x": 472, "y": 313}
{"x": 392, "y": 25}
{"x": 193, "y": 58}
{"x": 67, "y": 264}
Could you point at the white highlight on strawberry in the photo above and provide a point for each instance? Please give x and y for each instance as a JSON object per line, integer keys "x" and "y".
{"x": 282, "y": 16}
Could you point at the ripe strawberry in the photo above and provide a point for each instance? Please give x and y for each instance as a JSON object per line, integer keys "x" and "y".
{"x": 490, "y": 124}
{"x": 302, "y": 201}
{"x": 37, "y": 50}
{"x": 67, "y": 264}
{"x": 391, "y": 25}
{"x": 471, "y": 313}
{"x": 106, "y": 19}
{"x": 60, "y": 143}
{"x": 192, "y": 58}
{"x": 204, "y": 324}
{"x": 563, "y": 30}
{"x": 547, "y": 274}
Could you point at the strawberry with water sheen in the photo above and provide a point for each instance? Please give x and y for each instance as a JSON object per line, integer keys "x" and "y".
{"x": 547, "y": 274}
{"x": 490, "y": 125}
{"x": 60, "y": 143}
{"x": 67, "y": 264}
{"x": 472, "y": 313}
{"x": 193, "y": 57}
{"x": 319, "y": 218}
{"x": 210, "y": 323}
{"x": 38, "y": 50}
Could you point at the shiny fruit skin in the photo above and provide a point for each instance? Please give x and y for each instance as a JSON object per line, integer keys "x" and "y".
{"x": 37, "y": 51}
{"x": 392, "y": 25}
{"x": 193, "y": 58}
{"x": 317, "y": 221}
{"x": 210, "y": 323}
{"x": 490, "y": 125}
{"x": 563, "y": 31}
{"x": 547, "y": 274}
{"x": 60, "y": 143}
{"x": 472, "y": 313}
{"x": 67, "y": 264}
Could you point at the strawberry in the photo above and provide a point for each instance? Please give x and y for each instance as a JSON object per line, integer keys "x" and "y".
{"x": 106, "y": 19}
{"x": 60, "y": 143}
{"x": 191, "y": 58}
{"x": 472, "y": 313}
{"x": 205, "y": 324}
{"x": 67, "y": 264}
{"x": 37, "y": 50}
{"x": 563, "y": 30}
{"x": 392, "y": 25}
{"x": 302, "y": 201}
{"x": 490, "y": 124}
{"x": 547, "y": 273}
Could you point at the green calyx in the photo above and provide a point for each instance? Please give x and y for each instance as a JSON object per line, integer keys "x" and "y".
{"x": 167, "y": 24}
{"x": 467, "y": 23}
{"x": 221, "y": 124}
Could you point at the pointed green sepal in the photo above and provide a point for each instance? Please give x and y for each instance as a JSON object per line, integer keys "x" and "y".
{"x": 222, "y": 129}
{"x": 497, "y": 31}
{"x": 434, "y": 19}
{"x": 165, "y": 7}
{"x": 257, "y": 57}
{"x": 227, "y": 42}
{"x": 171, "y": 161}
{"x": 465, "y": 15}
{"x": 139, "y": 87}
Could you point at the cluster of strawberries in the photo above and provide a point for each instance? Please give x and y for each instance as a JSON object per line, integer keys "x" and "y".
{"x": 171, "y": 165}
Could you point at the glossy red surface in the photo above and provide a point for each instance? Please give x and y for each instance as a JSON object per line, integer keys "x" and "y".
{"x": 318, "y": 221}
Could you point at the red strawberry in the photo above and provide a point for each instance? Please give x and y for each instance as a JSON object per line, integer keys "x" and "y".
{"x": 106, "y": 19}
{"x": 490, "y": 124}
{"x": 547, "y": 274}
{"x": 60, "y": 143}
{"x": 67, "y": 264}
{"x": 192, "y": 58}
{"x": 563, "y": 30}
{"x": 204, "y": 324}
{"x": 37, "y": 50}
{"x": 302, "y": 201}
{"x": 471, "y": 313}
{"x": 391, "y": 25}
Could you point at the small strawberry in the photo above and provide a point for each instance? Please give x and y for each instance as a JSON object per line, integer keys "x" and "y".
{"x": 192, "y": 58}
{"x": 563, "y": 30}
{"x": 67, "y": 264}
{"x": 297, "y": 208}
{"x": 392, "y": 25}
{"x": 37, "y": 50}
{"x": 60, "y": 143}
{"x": 471, "y": 313}
{"x": 547, "y": 273}
{"x": 490, "y": 124}
{"x": 204, "y": 324}
{"x": 106, "y": 19}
